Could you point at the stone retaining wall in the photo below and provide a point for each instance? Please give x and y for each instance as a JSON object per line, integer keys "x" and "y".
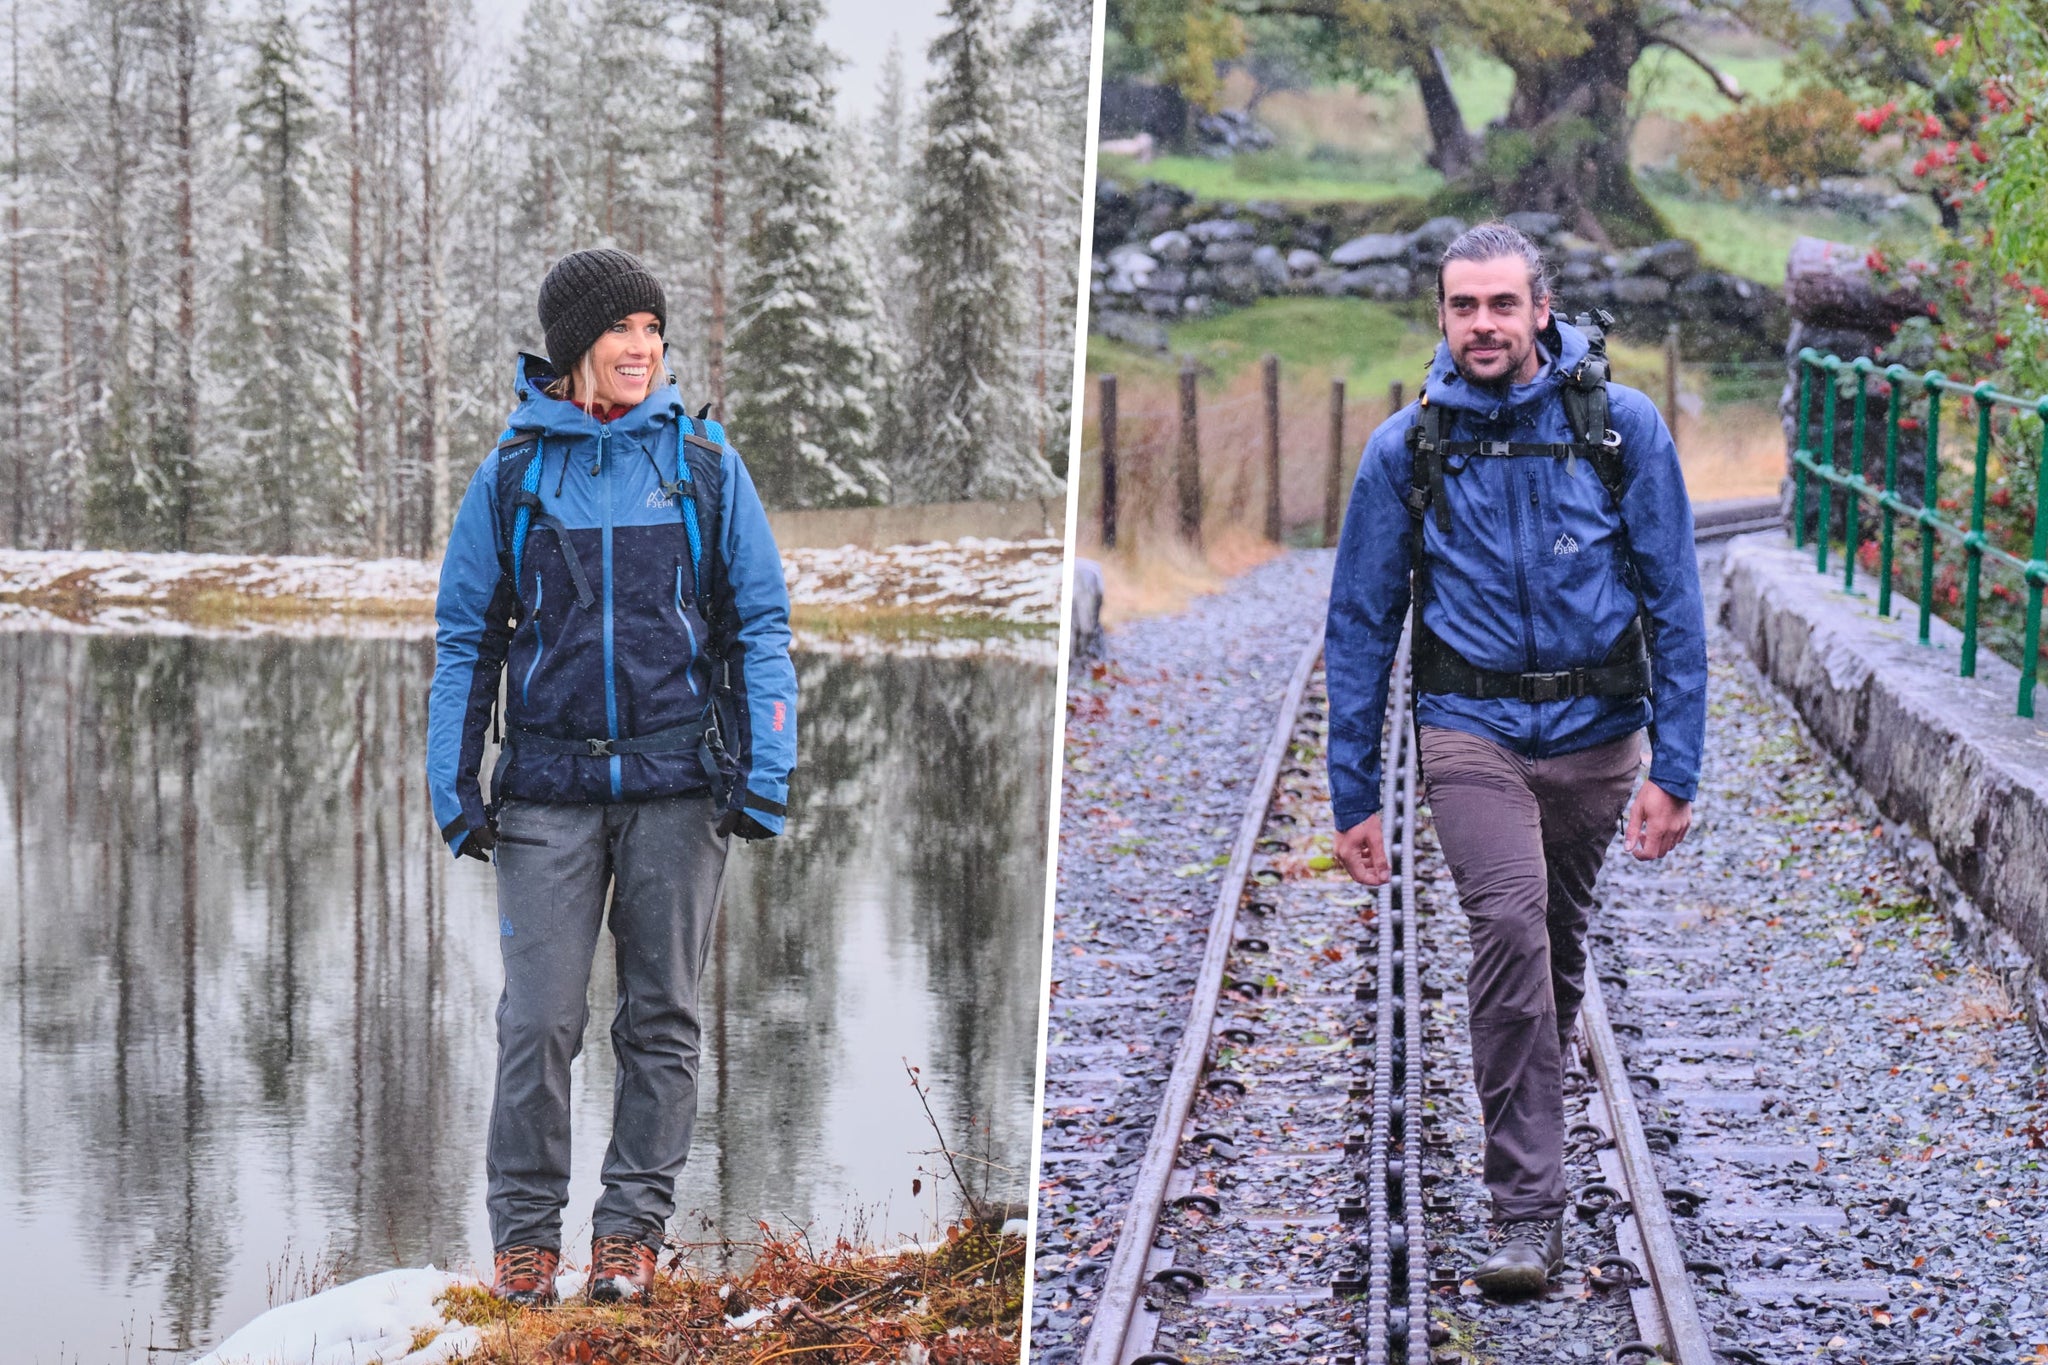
{"x": 1161, "y": 256}
{"x": 1942, "y": 755}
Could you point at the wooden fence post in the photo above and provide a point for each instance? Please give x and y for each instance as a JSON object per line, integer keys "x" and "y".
{"x": 1671, "y": 380}
{"x": 1394, "y": 396}
{"x": 1273, "y": 448}
{"x": 1108, "y": 415}
{"x": 1190, "y": 471}
{"x": 1333, "y": 488}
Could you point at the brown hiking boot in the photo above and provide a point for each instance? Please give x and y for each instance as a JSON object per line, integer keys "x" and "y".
{"x": 621, "y": 1268}
{"x": 525, "y": 1275}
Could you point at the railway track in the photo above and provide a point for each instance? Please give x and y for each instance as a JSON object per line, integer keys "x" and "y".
{"x": 1307, "y": 1187}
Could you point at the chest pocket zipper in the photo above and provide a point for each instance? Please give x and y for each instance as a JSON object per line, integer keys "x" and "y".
{"x": 682, "y": 615}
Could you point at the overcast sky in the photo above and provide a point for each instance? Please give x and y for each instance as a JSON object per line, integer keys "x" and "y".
{"x": 858, "y": 30}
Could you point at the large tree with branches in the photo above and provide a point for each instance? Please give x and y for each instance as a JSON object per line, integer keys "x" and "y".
{"x": 1563, "y": 145}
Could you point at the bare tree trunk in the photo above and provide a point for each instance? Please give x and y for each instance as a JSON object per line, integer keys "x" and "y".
{"x": 400, "y": 483}
{"x": 714, "y": 340}
{"x": 433, "y": 363}
{"x": 17, "y": 527}
{"x": 183, "y": 494}
{"x": 1042, "y": 303}
{"x": 1452, "y": 149}
{"x": 359, "y": 430}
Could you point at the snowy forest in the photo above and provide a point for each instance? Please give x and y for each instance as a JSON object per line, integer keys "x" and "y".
{"x": 269, "y": 264}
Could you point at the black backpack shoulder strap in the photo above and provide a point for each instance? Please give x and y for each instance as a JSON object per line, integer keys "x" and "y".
{"x": 1426, "y": 476}
{"x": 1586, "y": 405}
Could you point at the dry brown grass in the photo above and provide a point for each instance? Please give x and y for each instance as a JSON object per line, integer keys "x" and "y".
{"x": 1153, "y": 570}
{"x": 960, "y": 1305}
{"x": 1731, "y": 452}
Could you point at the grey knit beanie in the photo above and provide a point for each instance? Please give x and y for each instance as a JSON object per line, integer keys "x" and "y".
{"x": 587, "y": 291}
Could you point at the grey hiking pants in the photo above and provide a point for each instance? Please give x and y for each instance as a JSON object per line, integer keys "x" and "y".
{"x": 662, "y": 862}
{"x": 1524, "y": 839}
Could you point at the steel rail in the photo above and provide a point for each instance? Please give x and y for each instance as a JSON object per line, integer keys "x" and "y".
{"x": 1121, "y": 1286}
{"x": 1681, "y": 1330}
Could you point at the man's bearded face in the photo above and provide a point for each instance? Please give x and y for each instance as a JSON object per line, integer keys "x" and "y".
{"x": 1490, "y": 321}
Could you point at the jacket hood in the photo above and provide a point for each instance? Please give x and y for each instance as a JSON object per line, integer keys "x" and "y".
{"x": 1563, "y": 344}
{"x": 559, "y": 417}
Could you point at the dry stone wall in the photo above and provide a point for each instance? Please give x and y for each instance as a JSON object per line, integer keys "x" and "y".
{"x": 1162, "y": 256}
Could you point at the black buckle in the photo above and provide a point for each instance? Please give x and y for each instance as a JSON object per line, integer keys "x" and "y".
{"x": 1535, "y": 687}
{"x": 599, "y": 748}
{"x": 1498, "y": 449}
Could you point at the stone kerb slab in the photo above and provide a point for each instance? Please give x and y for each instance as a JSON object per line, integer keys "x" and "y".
{"x": 1943, "y": 754}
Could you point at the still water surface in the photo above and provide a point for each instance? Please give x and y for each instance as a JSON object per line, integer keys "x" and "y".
{"x": 246, "y": 997}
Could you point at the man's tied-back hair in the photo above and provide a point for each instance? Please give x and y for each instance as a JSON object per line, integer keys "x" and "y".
{"x": 1491, "y": 241}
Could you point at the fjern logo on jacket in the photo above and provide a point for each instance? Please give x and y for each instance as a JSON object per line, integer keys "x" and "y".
{"x": 659, "y": 497}
{"x": 1565, "y": 545}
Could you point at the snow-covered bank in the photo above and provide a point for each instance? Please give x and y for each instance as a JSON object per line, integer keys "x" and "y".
{"x": 963, "y": 1291}
{"x": 387, "y": 1319}
{"x": 1014, "y": 582}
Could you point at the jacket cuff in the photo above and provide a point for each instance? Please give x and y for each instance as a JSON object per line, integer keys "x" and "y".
{"x": 1673, "y": 785}
{"x": 1353, "y": 813}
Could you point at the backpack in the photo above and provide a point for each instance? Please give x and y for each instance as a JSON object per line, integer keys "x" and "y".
{"x": 1438, "y": 667}
{"x": 698, "y": 488}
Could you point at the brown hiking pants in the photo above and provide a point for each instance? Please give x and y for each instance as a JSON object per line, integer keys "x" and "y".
{"x": 1524, "y": 839}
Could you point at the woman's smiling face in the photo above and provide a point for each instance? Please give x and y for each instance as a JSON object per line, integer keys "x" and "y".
{"x": 624, "y": 360}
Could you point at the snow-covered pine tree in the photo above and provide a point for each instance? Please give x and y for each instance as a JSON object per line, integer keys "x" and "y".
{"x": 1050, "y": 58}
{"x": 876, "y": 166}
{"x": 286, "y": 485}
{"x": 970, "y": 410}
{"x": 805, "y": 340}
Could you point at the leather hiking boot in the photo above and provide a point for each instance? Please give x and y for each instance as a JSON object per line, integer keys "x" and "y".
{"x": 525, "y": 1275}
{"x": 621, "y": 1269}
{"x": 1530, "y": 1251}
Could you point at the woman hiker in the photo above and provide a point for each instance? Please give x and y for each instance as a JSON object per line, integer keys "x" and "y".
{"x": 612, "y": 560}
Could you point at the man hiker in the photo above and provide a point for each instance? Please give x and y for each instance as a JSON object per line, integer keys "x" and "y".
{"x": 612, "y": 564}
{"x": 1542, "y": 516}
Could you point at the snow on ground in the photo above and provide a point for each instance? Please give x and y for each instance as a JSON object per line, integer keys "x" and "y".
{"x": 106, "y": 591}
{"x": 372, "y": 1321}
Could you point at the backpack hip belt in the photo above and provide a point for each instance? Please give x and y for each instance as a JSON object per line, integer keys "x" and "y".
{"x": 1625, "y": 673}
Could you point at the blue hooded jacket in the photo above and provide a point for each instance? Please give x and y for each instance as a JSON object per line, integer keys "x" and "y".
{"x": 1528, "y": 579}
{"x": 638, "y": 656}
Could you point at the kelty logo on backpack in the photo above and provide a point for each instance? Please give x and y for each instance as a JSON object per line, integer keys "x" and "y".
{"x": 1565, "y": 545}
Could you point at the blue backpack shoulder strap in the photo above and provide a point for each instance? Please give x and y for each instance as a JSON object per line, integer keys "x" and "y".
{"x": 700, "y": 483}
{"x": 520, "y": 455}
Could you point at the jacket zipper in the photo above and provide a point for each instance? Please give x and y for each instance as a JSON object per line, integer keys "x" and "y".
{"x": 611, "y": 691}
{"x": 1521, "y": 574}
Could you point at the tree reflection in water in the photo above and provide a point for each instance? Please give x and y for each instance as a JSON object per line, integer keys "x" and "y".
{"x": 252, "y": 995}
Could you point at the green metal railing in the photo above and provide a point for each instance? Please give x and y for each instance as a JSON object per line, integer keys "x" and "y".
{"x": 1976, "y": 548}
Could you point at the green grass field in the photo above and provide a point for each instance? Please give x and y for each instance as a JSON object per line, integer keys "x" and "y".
{"x": 1753, "y": 240}
{"x": 1369, "y": 344}
{"x": 1286, "y": 177}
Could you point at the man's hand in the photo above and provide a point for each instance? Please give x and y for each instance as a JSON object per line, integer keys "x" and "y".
{"x": 1656, "y": 823}
{"x": 1363, "y": 852}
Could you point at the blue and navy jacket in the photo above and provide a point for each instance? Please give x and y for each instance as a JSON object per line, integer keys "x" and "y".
{"x": 1529, "y": 579}
{"x": 624, "y": 642}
